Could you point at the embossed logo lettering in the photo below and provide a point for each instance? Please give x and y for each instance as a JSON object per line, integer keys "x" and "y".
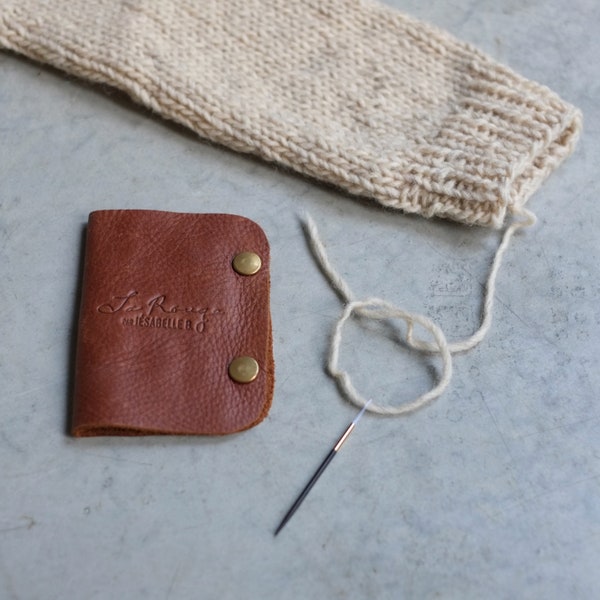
{"x": 157, "y": 311}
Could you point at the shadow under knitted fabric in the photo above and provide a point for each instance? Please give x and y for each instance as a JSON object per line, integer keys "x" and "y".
{"x": 379, "y": 309}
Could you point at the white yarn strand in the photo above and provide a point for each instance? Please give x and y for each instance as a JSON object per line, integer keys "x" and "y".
{"x": 378, "y": 309}
{"x": 528, "y": 219}
{"x": 318, "y": 250}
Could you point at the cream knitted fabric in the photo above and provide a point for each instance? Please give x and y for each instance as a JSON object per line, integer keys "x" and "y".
{"x": 350, "y": 92}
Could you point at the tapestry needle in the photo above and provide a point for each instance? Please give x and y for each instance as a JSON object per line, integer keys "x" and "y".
{"x": 321, "y": 468}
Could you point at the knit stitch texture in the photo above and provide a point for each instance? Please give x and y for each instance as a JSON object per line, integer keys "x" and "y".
{"x": 350, "y": 92}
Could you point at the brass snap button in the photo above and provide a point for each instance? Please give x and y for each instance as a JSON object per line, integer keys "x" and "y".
{"x": 243, "y": 369}
{"x": 247, "y": 263}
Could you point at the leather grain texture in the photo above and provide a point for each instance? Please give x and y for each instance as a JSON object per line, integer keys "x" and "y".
{"x": 162, "y": 315}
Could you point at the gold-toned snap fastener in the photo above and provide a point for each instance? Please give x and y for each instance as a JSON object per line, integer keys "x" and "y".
{"x": 247, "y": 263}
{"x": 243, "y": 369}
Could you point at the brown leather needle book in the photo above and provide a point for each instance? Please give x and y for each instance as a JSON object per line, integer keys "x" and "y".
{"x": 174, "y": 328}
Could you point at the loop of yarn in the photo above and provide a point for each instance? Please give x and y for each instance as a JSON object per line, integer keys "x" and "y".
{"x": 378, "y": 309}
{"x": 375, "y": 308}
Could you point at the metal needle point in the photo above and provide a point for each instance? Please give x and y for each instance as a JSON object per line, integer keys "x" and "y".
{"x": 321, "y": 468}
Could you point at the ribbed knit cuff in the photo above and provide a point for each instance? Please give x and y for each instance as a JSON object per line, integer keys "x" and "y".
{"x": 491, "y": 146}
{"x": 350, "y": 92}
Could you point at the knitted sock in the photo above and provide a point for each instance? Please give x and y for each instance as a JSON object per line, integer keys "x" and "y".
{"x": 350, "y": 92}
